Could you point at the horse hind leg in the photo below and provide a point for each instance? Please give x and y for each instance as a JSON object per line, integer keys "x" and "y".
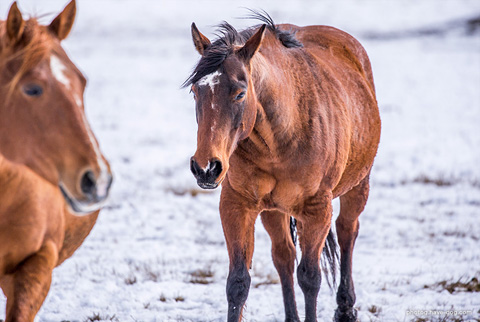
{"x": 351, "y": 206}
{"x": 28, "y": 286}
{"x": 277, "y": 225}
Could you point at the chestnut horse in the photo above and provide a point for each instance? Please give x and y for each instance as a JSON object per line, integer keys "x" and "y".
{"x": 43, "y": 127}
{"x": 287, "y": 121}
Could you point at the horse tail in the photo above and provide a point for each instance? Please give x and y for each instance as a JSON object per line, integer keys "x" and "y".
{"x": 293, "y": 230}
{"x": 329, "y": 260}
{"x": 329, "y": 257}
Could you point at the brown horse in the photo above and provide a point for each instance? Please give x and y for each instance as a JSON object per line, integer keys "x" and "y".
{"x": 45, "y": 144}
{"x": 287, "y": 121}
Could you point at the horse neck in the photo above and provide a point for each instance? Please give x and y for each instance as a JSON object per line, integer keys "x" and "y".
{"x": 277, "y": 112}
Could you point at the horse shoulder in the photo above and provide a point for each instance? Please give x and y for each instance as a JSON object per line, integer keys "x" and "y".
{"x": 30, "y": 215}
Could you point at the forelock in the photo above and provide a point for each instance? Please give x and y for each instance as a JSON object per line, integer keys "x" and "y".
{"x": 228, "y": 39}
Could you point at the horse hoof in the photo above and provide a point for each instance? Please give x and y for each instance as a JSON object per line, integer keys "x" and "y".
{"x": 345, "y": 315}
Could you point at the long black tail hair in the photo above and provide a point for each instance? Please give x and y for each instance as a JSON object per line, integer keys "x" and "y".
{"x": 329, "y": 259}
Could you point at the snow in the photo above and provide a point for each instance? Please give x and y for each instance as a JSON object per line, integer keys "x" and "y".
{"x": 160, "y": 231}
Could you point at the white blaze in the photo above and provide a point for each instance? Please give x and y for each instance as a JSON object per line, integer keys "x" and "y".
{"x": 58, "y": 69}
{"x": 103, "y": 178}
{"x": 210, "y": 80}
{"x": 212, "y": 128}
{"x": 102, "y": 182}
{"x": 78, "y": 101}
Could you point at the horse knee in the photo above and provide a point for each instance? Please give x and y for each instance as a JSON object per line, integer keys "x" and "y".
{"x": 309, "y": 277}
{"x": 238, "y": 285}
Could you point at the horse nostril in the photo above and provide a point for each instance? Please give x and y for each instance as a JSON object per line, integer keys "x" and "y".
{"x": 194, "y": 167}
{"x": 215, "y": 169}
{"x": 87, "y": 183}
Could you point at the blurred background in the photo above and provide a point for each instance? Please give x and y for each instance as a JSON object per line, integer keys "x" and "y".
{"x": 157, "y": 252}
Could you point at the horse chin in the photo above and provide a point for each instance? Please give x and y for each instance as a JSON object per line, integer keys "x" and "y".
{"x": 80, "y": 207}
{"x": 211, "y": 185}
{"x": 208, "y": 185}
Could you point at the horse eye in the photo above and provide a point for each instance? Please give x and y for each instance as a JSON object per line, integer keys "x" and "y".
{"x": 33, "y": 90}
{"x": 240, "y": 96}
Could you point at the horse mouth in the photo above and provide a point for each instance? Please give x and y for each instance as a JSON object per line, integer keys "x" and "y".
{"x": 207, "y": 185}
{"x": 81, "y": 207}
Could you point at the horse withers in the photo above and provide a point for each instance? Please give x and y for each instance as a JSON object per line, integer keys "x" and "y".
{"x": 53, "y": 177}
{"x": 287, "y": 120}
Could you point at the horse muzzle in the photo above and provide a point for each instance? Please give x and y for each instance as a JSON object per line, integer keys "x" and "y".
{"x": 94, "y": 193}
{"x": 207, "y": 177}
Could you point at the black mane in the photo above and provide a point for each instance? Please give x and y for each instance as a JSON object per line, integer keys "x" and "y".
{"x": 229, "y": 38}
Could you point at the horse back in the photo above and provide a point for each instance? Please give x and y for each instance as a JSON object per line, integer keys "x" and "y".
{"x": 326, "y": 41}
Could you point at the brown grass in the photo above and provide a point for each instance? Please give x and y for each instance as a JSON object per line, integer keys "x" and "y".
{"x": 470, "y": 286}
{"x": 202, "y": 276}
{"x": 178, "y": 191}
{"x": 270, "y": 279}
{"x": 98, "y": 317}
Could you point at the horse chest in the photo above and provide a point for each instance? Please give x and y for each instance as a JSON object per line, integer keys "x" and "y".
{"x": 274, "y": 187}
{"x": 284, "y": 196}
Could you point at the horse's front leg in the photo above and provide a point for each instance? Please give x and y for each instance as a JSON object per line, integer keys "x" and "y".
{"x": 313, "y": 226}
{"x": 238, "y": 219}
{"x": 28, "y": 286}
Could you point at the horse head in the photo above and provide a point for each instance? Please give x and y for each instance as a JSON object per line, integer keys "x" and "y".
{"x": 225, "y": 99}
{"x": 42, "y": 117}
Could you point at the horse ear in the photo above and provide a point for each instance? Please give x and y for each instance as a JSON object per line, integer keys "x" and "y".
{"x": 63, "y": 23}
{"x": 15, "y": 23}
{"x": 199, "y": 40}
{"x": 252, "y": 45}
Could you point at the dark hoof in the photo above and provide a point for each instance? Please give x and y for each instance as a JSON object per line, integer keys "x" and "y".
{"x": 345, "y": 315}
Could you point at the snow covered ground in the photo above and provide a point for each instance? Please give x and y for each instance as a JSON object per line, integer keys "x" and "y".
{"x": 157, "y": 253}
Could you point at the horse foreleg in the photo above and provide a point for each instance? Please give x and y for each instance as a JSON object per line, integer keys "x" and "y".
{"x": 277, "y": 225}
{"x": 238, "y": 223}
{"x": 28, "y": 286}
{"x": 313, "y": 227}
{"x": 351, "y": 205}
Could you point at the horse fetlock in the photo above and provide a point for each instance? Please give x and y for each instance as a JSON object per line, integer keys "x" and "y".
{"x": 345, "y": 296}
{"x": 238, "y": 285}
{"x": 345, "y": 314}
{"x": 292, "y": 320}
{"x": 309, "y": 278}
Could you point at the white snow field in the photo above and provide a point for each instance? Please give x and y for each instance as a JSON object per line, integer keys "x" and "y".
{"x": 157, "y": 252}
